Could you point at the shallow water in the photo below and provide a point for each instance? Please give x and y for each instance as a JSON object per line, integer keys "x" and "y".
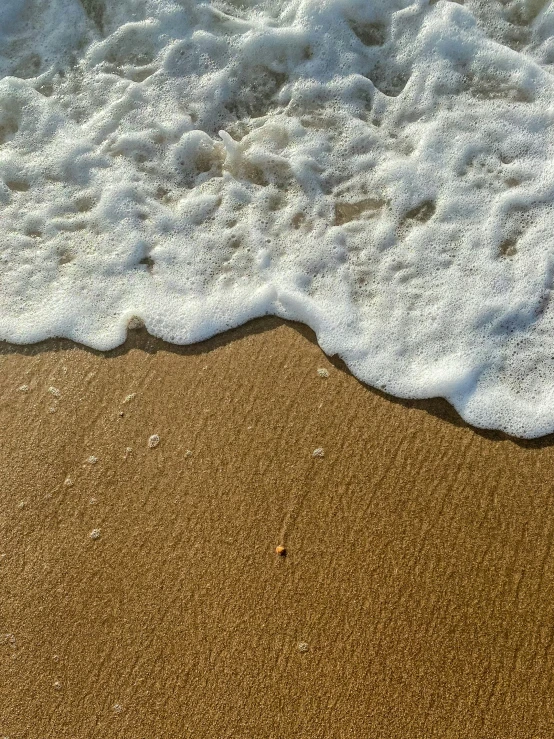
{"x": 380, "y": 170}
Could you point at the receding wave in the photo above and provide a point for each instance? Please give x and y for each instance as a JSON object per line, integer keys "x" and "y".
{"x": 381, "y": 170}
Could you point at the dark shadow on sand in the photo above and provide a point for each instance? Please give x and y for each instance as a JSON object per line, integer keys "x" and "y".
{"x": 141, "y": 340}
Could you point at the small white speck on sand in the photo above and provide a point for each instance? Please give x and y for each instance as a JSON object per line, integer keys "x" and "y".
{"x": 153, "y": 441}
{"x": 188, "y": 453}
{"x": 22, "y": 504}
{"x": 129, "y": 397}
{"x": 319, "y": 452}
{"x": 23, "y": 388}
{"x": 118, "y": 708}
{"x": 57, "y": 685}
{"x": 92, "y": 459}
{"x": 303, "y": 646}
{"x": 68, "y": 482}
{"x": 52, "y": 409}
{"x": 95, "y": 534}
{"x": 54, "y": 391}
{"x": 92, "y": 501}
{"x": 322, "y": 372}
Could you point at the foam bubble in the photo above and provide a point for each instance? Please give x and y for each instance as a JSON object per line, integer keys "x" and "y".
{"x": 380, "y": 170}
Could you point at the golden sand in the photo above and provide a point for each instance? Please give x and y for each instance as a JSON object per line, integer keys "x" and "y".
{"x": 144, "y": 496}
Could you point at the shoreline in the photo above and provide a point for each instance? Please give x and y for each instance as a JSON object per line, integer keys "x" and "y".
{"x": 139, "y": 338}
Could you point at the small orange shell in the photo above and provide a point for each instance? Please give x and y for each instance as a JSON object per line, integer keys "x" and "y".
{"x": 281, "y": 550}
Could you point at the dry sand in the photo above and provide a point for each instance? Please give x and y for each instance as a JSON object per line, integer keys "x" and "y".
{"x": 142, "y": 596}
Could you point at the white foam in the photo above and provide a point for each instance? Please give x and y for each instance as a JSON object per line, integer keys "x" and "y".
{"x": 379, "y": 169}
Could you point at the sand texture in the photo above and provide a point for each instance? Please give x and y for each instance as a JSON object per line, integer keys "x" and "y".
{"x": 142, "y": 597}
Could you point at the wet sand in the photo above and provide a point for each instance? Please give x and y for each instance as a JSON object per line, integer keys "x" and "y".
{"x": 142, "y": 596}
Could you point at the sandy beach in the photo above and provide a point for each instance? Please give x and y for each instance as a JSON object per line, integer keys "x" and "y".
{"x": 142, "y": 596}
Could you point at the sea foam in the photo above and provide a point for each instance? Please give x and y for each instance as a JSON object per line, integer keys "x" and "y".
{"x": 381, "y": 170}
